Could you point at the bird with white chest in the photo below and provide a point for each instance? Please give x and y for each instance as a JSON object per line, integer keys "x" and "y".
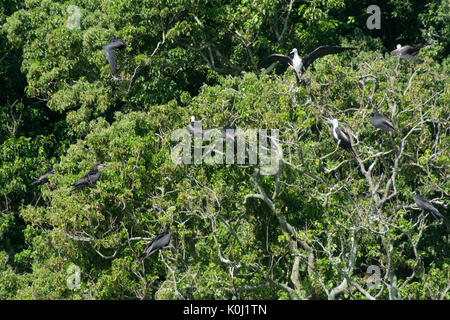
{"x": 340, "y": 137}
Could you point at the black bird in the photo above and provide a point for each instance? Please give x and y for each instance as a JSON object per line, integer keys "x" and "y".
{"x": 109, "y": 50}
{"x": 195, "y": 128}
{"x": 44, "y": 178}
{"x": 407, "y": 52}
{"x": 426, "y": 205}
{"x": 90, "y": 178}
{"x": 161, "y": 240}
{"x": 341, "y": 138}
{"x": 299, "y": 65}
{"x": 380, "y": 121}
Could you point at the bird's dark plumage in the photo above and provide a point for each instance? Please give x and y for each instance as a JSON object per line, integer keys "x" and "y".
{"x": 320, "y": 52}
{"x": 341, "y": 138}
{"x": 110, "y": 53}
{"x": 90, "y": 178}
{"x": 426, "y": 205}
{"x": 407, "y": 53}
{"x": 344, "y": 142}
{"x": 286, "y": 59}
{"x": 299, "y": 65}
{"x": 44, "y": 178}
{"x": 161, "y": 240}
{"x": 380, "y": 121}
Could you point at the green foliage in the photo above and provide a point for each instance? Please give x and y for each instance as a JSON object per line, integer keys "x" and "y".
{"x": 309, "y": 231}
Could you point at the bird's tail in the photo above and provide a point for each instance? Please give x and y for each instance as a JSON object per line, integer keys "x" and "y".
{"x": 145, "y": 254}
{"x": 353, "y": 153}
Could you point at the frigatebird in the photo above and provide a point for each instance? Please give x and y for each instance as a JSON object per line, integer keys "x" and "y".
{"x": 90, "y": 178}
{"x": 341, "y": 138}
{"x": 380, "y": 121}
{"x": 195, "y": 128}
{"x": 407, "y": 52}
{"x": 299, "y": 65}
{"x": 44, "y": 178}
{"x": 109, "y": 50}
{"x": 426, "y": 205}
{"x": 161, "y": 240}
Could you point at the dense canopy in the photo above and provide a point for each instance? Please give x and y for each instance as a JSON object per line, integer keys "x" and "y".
{"x": 311, "y": 229}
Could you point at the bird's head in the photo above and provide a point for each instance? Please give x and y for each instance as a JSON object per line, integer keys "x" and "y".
{"x": 100, "y": 166}
{"x": 333, "y": 122}
{"x": 399, "y": 46}
{"x": 415, "y": 192}
{"x": 294, "y": 51}
{"x": 168, "y": 230}
{"x": 192, "y": 119}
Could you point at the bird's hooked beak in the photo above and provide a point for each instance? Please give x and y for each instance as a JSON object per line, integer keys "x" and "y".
{"x": 101, "y": 166}
{"x": 293, "y": 51}
{"x": 329, "y": 121}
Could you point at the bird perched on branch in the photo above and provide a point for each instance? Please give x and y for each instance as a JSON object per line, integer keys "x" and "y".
{"x": 300, "y": 64}
{"x": 407, "y": 52}
{"x": 109, "y": 50}
{"x": 44, "y": 178}
{"x": 341, "y": 138}
{"x": 161, "y": 240}
{"x": 380, "y": 121}
{"x": 90, "y": 178}
{"x": 426, "y": 205}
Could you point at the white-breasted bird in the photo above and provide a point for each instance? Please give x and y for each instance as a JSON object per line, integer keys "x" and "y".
{"x": 300, "y": 64}
{"x": 340, "y": 137}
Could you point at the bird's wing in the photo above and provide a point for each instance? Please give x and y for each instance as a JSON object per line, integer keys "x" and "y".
{"x": 428, "y": 206}
{"x": 382, "y": 122}
{"x": 111, "y": 57}
{"x": 414, "y": 49}
{"x": 320, "y": 52}
{"x": 387, "y": 122}
{"x": 93, "y": 176}
{"x": 410, "y": 58}
{"x": 425, "y": 204}
{"x": 81, "y": 181}
{"x": 118, "y": 44}
{"x": 342, "y": 136}
{"x": 85, "y": 179}
{"x": 345, "y": 142}
{"x": 160, "y": 241}
{"x": 279, "y": 57}
{"x": 395, "y": 53}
